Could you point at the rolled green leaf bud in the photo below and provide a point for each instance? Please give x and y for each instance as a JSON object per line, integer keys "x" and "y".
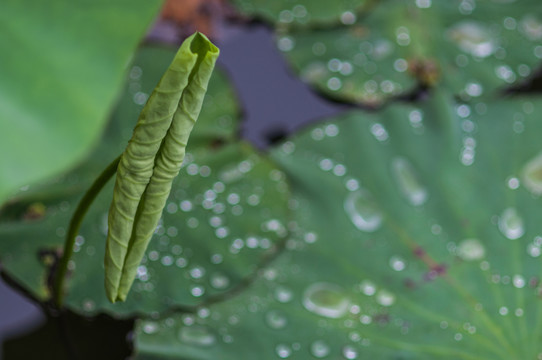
{"x": 153, "y": 159}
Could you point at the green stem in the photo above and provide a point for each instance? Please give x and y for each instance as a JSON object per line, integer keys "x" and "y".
{"x": 75, "y": 224}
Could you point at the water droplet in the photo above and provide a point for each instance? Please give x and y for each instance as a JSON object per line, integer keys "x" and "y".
{"x": 310, "y": 238}
{"x": 197, "y": 335}
{"x": 89, "y": 305}
{"x": 154, "y": 255}
{"x": 140, "y": 98}
{"x": 368, "y": 288}
{"x": 505, "y": 73}
{"x": 385, "y": 298}
{"x": 276, "y": 319}
{"x": 408, "y": 182}
{"x": 415, "y": 118}
{"x": 473, "y": 38}
{"x": 473, "y": 89}
{"x": 283, "y": 294}
{"x": 403, "y": 36}
{"x": 350, "y": 353}
{"x": 532, "y": 175}
{"x": 524, "y": 70}
{"x": 468, "y": 151}
{"x": 352, "y": 184}
{"x": 181, "y": 262}
{"x": 339, "y": 170}
{"x": 518, "y": 281}
{"x": 334, "y": 83}
{"x": 185, "y": 205}
{"x": 531, "y": 27}
{"x": 463, "y": 110}
{"x": 510, "y": 23}
{"x": 320, "y": 349}
{"x": 397, "y": 263}
{"x": 348, "y": 18}
{"x": 334, "y": 65}
{"x": 197, "y": 272}
{"x": 326, "y": 164}
{"x": 150, "y": 327}
{"x": 362, "y": 211}
{"x": 512, "y": 183}
{"x": 219, "y": 281}
{"x": 319, "y": 48}
{"x": 286, "y": 16}
{"x": 283, "y": 351}
{"x": 511, "y": 224}
{"x": 167, "y": 260}
{"x": 299, "y": 11}
{"x": 534, "y": 251}
{"x": 286, "y": 44}
{"x": 326, "y": 300}
{"x": 197, "y": 291}
{"x": 379, "y": 132}
{"x": 423, "y": 4}
{"x": 471, "y": 249}
{"x": 204, "y": 313}
{"x": 400, "y": 65}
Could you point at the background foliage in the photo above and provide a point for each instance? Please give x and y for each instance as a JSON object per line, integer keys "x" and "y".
{"x": 405, "y": 228}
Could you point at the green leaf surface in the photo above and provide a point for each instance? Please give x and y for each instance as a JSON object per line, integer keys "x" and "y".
{"x": 63, "y": 64}
{"x": 472, "y": 49}
{"x": 152, "y": 160}
{"x": 300, "y": 12}
{"x": 223, "y": 219}
{"x": 416, "y": 236}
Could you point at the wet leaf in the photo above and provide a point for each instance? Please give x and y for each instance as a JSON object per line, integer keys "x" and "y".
{"x": 472, "y": 49}
{"x": 415, "y": 236}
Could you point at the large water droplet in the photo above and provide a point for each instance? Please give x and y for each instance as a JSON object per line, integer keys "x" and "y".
{"x": 473, "y": 38}
{"x": 362, "y": 211}
{"x": 326, "y": 300}
{"x": 320, "y": 349}
{"x": 197, "y": 335}
{"x": 532, "y": 28}
{"x": 511, "y": 224}
{"x": 408, "y": 182}
{"x": 471, "y": 249}
{"x": 276, "y": 319}
{"x": 532, "y": 175}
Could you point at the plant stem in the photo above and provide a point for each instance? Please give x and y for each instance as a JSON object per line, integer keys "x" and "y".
{"x": 75, "y": 224}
